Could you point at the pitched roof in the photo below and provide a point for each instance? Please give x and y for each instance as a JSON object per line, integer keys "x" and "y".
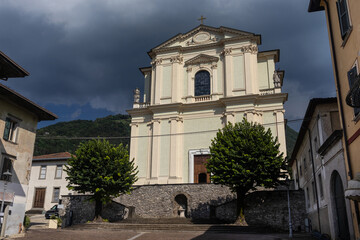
{"x": 53, "y": 156}
{"x": 307, "y": 119}
{"x": 314, "y": 6}
{"x": 9, "y": 68}
{"x": 12, "y": 96}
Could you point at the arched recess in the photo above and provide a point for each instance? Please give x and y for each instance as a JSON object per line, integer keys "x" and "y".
{"x": 181, "y": 200}
{"x": 202, "y": 83}
{"x": 339, "y": 207}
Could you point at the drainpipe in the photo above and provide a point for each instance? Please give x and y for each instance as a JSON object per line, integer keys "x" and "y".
{"x": 350, "y": 174}
{"x": 314, "y": 176}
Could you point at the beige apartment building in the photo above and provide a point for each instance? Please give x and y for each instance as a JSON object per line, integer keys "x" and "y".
{"x": 343, "y": 21}
{"x": 197, "y": 82}
{"x": 18, "y": 121}
{"x": 47, "y": 181}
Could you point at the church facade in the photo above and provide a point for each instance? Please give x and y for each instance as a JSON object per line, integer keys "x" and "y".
{"x": 198, "y": 82}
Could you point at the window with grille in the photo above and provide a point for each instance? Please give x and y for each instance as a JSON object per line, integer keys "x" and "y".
{"x": 42, "y": 172}
{"x": 202, "y": 83}
{"x": 56, "y": 195}
{"x": 58, "y": 172}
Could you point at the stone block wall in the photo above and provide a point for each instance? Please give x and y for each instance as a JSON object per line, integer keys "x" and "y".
{"x": 161, "y": 201}
{"x": 200, "y": 202}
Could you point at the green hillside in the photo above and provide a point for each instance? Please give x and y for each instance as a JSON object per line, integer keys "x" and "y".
{"x": 59, "y": 137}
{"x": 110, "y": 126}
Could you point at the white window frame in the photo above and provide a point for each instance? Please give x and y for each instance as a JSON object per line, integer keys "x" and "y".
{"x": 41, "y": 167}
{"x": 192, "y": 153}
{"x": 56, "y": 171}
{"x": 53, "y": 195}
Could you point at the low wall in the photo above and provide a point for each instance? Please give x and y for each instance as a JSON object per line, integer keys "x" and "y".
{"x": 198, "y": 201}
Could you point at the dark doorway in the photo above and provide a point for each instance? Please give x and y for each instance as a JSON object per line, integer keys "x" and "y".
{"x": 39, "y": 197}
{"x": 200, "y": 172}
{"x": 340, "y": 207}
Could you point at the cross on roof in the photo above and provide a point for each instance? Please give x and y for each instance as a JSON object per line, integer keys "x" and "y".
{"x": 201, "y": 19}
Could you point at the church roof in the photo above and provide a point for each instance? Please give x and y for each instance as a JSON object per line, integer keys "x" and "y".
{"x": 235, "y": 34}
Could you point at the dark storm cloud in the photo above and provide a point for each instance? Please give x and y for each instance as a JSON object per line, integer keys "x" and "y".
{"x": 89, "y": 52}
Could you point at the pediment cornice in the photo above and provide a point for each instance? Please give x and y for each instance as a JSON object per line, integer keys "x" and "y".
{"x": 238, "y": 35}
{"x": 201, "y": 58}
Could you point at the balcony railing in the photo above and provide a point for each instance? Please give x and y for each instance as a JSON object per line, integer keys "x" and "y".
{"x": 267, "y": 91}
{"x": 202, "y": 98}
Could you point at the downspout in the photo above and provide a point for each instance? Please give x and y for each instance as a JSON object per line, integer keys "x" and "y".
{"x": 297, "y": 174}
{"x": 315, "y": 183}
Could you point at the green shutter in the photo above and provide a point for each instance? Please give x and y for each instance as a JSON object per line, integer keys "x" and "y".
{"x": 343, "y": 17}
{"x": 7, "y": 129}
{"x": 352, "y": 77}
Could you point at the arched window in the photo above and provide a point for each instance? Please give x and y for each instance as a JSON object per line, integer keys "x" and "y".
{"x": 202, "y": 83}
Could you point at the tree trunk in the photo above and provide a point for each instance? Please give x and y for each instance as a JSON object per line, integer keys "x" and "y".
{"x": 240, "y": 204}
{"x": 98, "y": 210}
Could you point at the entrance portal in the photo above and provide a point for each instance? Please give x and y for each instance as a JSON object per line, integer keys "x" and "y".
{"x": 39, "y": 197}
{"x": 340, "y": 207}
{"x": 200, "y": 172}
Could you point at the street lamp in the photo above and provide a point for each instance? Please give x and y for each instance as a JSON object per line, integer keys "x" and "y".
{"x": 7, "y": 176}
{"x": 287, "y": 180}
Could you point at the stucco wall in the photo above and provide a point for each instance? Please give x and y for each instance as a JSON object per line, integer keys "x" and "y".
{"x": 20, "y": 153}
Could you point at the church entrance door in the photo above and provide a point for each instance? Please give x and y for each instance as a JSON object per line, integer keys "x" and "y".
{"x": 200, "y": 172}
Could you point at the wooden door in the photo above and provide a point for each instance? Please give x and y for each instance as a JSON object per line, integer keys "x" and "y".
{"x": 39, "y": 197}
{"x": 200, "y": 172}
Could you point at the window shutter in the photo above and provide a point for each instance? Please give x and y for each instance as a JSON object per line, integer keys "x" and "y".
{"x": 352, "y": 77}
{"x": 7, "y": 129}
{"x": 343, "y": 17}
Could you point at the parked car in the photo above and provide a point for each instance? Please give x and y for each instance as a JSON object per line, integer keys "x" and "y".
{"x": 52, "y": 212}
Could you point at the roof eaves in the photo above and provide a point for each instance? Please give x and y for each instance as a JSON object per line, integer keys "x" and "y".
{"x": 14, "y": 65}
{"x": 306, "y": 121}
{"x": 42, "y": 113}
{"x": 314, "y": 6}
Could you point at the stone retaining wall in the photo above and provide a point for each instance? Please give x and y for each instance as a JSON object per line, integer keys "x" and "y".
{"x": 199, "y": 201}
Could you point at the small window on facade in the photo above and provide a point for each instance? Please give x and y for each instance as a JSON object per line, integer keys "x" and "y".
{"x": 351, "y": 77}
{"x": 56, "y": 195}
{"x": 304, "y": 160}
{"x": 321, "y": 186}
{"x": 343, "y": 17}
{"x": 58, "y": 173}
{"x": 202, "y": 83}
{"x": 307, "y": 197}
{"x": 300, "y": 170}
{"x": 10, "y": 130}
{"x": 6, "y": 167}
{"x": 314, "y": 191}
{"x": 42, "y": 172}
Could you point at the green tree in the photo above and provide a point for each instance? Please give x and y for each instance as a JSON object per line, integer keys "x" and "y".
{"x": 243, "y": 157}
{"x": 101, "y": 169}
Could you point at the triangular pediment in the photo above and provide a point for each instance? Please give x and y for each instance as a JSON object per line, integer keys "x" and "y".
{"x": 201, "y": 58}
{"x": 203, "y": 35}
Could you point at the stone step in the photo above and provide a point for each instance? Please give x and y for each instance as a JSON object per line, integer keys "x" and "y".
{"x": 172, "y": 227}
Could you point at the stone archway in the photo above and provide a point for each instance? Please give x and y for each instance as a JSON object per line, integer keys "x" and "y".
{"x": 339, "y": 207}
{"x": 181, "y": 203}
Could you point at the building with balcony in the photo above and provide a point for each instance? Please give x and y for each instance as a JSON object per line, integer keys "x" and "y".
{"x": 197, "y": 82}
{"x": 343, "y": 21}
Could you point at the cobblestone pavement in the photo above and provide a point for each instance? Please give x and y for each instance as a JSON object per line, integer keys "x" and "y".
{"x": 103, "y": 234}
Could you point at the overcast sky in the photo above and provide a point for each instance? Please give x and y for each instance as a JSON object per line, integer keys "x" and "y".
{"x": 83, "y": 55}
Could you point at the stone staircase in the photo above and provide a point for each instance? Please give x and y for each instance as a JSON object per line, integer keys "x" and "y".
{"x": 170, "y": 224}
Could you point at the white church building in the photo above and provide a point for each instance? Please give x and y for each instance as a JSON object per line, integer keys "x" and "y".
{"x": 198, "y": 82}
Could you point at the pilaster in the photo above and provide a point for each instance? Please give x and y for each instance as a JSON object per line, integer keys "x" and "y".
{"x": 280, "y": 129}
{"x": 175, "y": 150}
{"x": 228, "y": 81}
{"x": 176, "y": 76}
{"x": 134, "y": 141}
{"x": 155, "y": 158}
{"x": 214, "y": 93}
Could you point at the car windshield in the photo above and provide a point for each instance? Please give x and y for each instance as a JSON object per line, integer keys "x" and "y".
{"x": 54, "y": 207}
